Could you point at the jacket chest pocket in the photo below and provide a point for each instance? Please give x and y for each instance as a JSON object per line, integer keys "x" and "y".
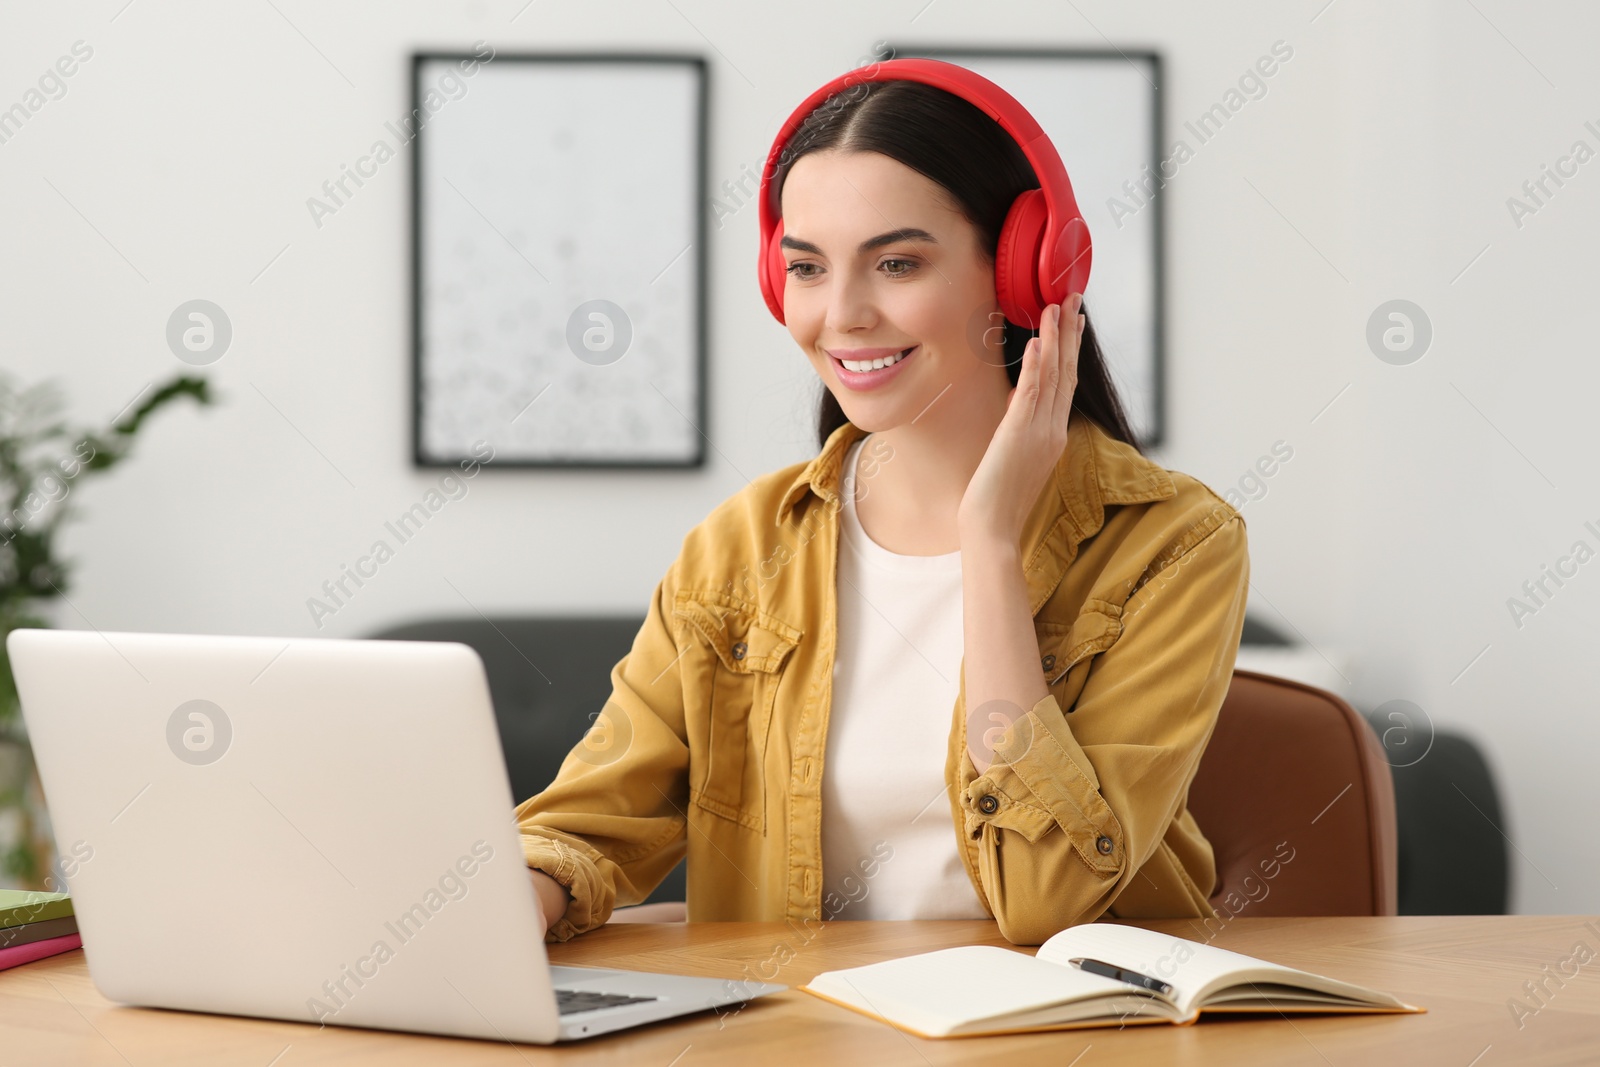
{"x": 732, "y": 667}
{"x": 1067, "y": 650}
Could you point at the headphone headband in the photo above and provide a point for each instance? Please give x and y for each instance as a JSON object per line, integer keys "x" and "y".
{"x": 1057, "y": 255}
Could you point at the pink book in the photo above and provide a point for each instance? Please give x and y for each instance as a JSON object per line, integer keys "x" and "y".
{"x": 38, "y": 950}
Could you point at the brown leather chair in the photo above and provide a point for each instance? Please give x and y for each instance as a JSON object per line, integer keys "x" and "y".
{"x": 1296, "y": 798}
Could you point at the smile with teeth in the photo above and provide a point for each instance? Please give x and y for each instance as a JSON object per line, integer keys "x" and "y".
{"x": 862, "y": 366}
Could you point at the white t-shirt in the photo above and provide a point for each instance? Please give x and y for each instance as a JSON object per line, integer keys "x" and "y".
{"x": 888, "y": 846}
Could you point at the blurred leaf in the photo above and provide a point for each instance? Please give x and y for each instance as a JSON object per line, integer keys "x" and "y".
{"x": 41, "y": 461}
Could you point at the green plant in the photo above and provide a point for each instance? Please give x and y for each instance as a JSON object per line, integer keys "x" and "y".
{"x": 41, "y": 461}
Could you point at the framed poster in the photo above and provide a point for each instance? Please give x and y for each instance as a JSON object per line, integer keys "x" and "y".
{"x": 558, "y": 252}
{"x": 1102, "y": 110}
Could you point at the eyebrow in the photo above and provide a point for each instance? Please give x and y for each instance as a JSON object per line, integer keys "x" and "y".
{"x": 892, "y": 237}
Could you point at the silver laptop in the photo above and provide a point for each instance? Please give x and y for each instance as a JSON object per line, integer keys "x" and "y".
{"x": 306, "y": 829}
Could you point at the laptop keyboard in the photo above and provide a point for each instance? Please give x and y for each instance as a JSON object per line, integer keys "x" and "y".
{"x": 574, "y": 1001}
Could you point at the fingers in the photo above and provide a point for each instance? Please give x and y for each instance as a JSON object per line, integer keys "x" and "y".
{"x": 1050, "y": 365}
{"x": 1027, "y": 378}
{"x": 1063, "y": 347}
{"x": 1070, "y": 352}
{"x": 1050, "y": 361}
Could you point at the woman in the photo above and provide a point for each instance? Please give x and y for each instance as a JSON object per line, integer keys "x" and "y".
{"x": 962, "y": 663}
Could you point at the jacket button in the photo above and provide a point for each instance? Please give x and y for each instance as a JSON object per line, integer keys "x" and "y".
{"x": 988, "y": 804}
{"x": 739, "y": 649}
{"x": 1104, "y": 844}
{"x": 1049, "y": 662}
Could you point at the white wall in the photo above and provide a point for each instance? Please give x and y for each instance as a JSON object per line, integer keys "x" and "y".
{"x": 1377, "y": 166}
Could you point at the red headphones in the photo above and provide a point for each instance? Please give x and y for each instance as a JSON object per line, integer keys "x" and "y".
{"x": 1044, "y": 250}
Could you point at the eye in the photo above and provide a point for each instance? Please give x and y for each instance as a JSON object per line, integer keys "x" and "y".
{"x": 797, "y": 270}
{"x": 908, "y": 265}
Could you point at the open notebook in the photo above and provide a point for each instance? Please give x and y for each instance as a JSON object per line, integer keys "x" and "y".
{"x": 978, "y": 989}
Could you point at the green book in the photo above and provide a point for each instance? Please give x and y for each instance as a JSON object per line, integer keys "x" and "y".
{"x": 21, "y": 906}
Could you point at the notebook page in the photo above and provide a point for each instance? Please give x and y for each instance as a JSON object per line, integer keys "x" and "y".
{"x": 1192, "y": 969}
{"x": 938, "y": 993}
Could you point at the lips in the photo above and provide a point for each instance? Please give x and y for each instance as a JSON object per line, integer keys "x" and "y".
{"x": 860, "y": 380}
{"x": 867, "y": 360}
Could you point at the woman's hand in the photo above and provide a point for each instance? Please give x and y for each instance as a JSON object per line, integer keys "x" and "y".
{"x": 552, "y": 897}
{"x": 1031, "y": 435}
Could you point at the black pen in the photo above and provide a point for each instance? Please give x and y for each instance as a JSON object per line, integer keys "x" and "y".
{"x": 1106, "y": 970}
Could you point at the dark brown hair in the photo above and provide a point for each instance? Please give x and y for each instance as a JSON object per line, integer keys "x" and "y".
{"x": 953, "y": 143}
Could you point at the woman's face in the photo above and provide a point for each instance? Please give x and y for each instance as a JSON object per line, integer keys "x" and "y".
{"x": 880, "y": 260}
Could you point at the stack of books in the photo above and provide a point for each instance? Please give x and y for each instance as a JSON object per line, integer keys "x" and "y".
{"x": 35, "y": 925}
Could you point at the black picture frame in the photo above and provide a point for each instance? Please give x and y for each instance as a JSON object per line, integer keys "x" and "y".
{"x": 424, "y": 458}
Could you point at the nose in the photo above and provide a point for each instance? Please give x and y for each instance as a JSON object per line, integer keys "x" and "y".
{"x": 850, "y": 305}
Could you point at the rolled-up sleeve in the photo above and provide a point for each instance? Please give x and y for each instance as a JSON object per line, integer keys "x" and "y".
{"x": 1076, "y": 803}
{"x": 610, "y": 828}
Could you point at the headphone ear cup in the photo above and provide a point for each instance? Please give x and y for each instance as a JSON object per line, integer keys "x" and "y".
{"x": 1016, "y": 260}
{"x": 1069, "y": 265}
{"x": 774, "y": 272}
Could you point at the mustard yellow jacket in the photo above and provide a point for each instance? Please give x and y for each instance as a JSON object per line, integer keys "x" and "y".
{"x": 712, "y": 742}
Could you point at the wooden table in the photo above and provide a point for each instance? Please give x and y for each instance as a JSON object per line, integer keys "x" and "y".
{"x": 1466, "y": 970}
